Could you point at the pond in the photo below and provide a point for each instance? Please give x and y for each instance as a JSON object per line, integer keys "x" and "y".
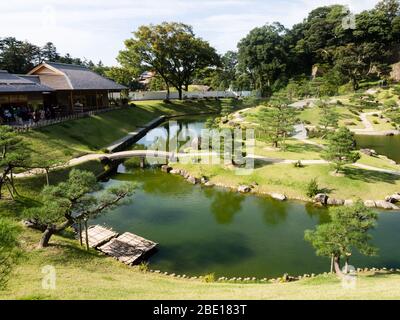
{"x": 202, "y": 230}
{"x": 388, "y": 146}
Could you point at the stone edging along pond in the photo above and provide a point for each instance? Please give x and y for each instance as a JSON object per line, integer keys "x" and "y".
{"x": 320, "y": 199}
{"x": 252, "y": 280}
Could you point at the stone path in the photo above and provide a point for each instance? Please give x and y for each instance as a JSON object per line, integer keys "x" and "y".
{"x": 369, "y": 128}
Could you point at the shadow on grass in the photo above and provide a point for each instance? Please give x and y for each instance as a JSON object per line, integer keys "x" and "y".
{"x": 370, "y": 176}
{"x": 72, "y": 255}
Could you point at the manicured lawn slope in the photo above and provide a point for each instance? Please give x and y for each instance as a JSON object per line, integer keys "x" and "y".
{"x": 90, "y": 275}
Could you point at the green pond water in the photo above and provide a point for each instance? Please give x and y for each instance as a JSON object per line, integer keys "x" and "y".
{"x": 388, "y": 146}
{"x": 202, "y": 230}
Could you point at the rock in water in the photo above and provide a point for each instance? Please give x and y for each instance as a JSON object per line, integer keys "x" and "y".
{"x": 386, "y": 205}
{"x": 321, "y": 198}
{"x": 244, "y": 189}
{"x": 166, "y": 168}
{"x": 192, "y": 180}
{"x": 335, "y": 202}
{"x": 278, "y": 196}
{"x": 370, "y": 203}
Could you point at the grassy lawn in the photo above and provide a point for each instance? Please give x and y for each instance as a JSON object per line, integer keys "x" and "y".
{"x": 312, "y": 116}
{"x": 90, "y": 275}
{"x": 379, "y": 162}
{"x": 294, "y": 150}
{"x": 356, "y": 183}
{"x": 74, "y": 138}
{"x": 380, "y": 124}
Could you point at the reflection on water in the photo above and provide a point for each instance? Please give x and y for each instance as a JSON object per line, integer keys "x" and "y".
{"x": 202, "y": 230}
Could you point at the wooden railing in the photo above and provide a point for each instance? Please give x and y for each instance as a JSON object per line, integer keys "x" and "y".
{"x": 48, "y": 122}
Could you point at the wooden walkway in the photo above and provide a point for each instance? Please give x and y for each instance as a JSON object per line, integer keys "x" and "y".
{"x": 128, "y": 248}
{"x": 98, "y": 235}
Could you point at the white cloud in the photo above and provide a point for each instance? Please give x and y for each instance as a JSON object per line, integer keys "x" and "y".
{"x": 96, "y": 29}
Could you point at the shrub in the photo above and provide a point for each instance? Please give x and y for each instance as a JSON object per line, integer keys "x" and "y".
{"x": 375, "y": 122}
{"x": 209, "y": 277}
{"x": 312, "y": 188}
{"x": 144, "y": 266}
{"x": 298, "y": 164}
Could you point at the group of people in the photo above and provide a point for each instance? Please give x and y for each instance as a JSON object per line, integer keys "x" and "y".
{"x": 21, "y": 115}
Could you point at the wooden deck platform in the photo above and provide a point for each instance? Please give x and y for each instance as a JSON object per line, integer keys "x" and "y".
{"x": 98, "y": 235}
{"x": 128, "y": 248}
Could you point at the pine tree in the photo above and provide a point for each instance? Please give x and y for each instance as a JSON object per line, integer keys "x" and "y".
{"x": 71, "y": 201}
{"x": 277, "y": 121}
{"x": 341, "y": 148}
{"x": 348, "y": 230}
{"x": 329, "y": 117}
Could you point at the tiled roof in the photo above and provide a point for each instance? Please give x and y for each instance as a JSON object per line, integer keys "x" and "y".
{"x": 81, "y": 78}
{"x": 11, "y": 83}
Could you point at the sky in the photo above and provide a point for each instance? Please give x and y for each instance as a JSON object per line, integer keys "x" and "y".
{"x": 96, "y": 29}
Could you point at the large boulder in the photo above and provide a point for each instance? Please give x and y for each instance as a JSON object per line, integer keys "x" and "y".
{"x": 335, "y": 202}
{"x": 394, "y": 198}
{"x": 278, "y": 196}
{"x": 348, "y": 202}
{"x": 244, "y": 189}
{"x": 204, "y": 180}
{"x": 321, "y": 198}
{"x": 175, "y": 171}
{"x": 209, "y": 184}
{"x": 369, "y": 152}
{"x": 193, "y": 180}
{"x": 370, "y": 203}
{"x": 166, "y": 168}
{"x": 386, "y": 205}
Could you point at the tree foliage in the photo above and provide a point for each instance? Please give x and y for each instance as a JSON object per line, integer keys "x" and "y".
{"x": 171, "y": 50}
{"x": 340, "y": 149}
{"x": 72, "y": 201}
{"x": 13, "y": 154}
{"x": 277, "y": 121}
{"x": 347, "y": 231}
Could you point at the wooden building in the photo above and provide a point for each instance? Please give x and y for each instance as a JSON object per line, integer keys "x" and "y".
{"x": 20, "y": 91}
{"x": 76, "y": 88}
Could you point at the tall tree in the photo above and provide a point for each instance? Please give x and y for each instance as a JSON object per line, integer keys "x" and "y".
{"x": 329, "y": 117}
{"x": 277, "y": 121}
{"x": 72, "y": 201}
{"x": 171, "y": 50}
{"x": 49, "y": 53}
{"x": 348, "y": 230}
{"x": 340, "y": 149}
{"x": 263, "y": 56}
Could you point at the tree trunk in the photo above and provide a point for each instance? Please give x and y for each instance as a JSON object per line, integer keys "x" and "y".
{"x": 336, "y": 262}
{"x": 332, "y": 263}
{"x": 47, "y": 176}
{"x": 168, "y": 92}
{"x": 44, "y": 241}
{"x": 86, "y": 235}
{"x": 180, "y": 93}
{"x": 50, "y": 230}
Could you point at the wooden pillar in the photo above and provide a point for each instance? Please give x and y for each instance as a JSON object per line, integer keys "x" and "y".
{"x": 80, "y": 232}
{"x": 86, "y": 234}
{"x": 142, "y": 162}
